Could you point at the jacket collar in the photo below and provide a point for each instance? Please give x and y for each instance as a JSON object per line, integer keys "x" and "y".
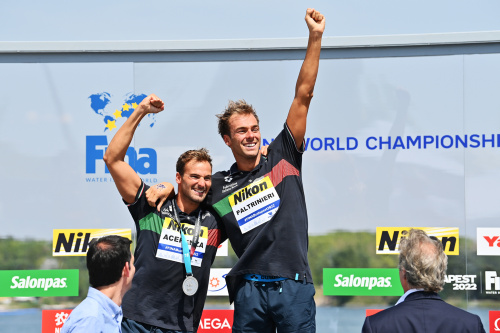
{"x": 422, "y": 295}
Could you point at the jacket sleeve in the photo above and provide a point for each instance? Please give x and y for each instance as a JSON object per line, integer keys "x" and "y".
{"x": 366, "y": 326}
{"x": 480, "y": 325}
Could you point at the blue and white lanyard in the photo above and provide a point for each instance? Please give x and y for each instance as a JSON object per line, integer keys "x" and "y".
{"x": 185, "y": 247}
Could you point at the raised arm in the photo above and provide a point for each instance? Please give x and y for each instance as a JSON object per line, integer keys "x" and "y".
{"x": 126, "y": 179}
{"x": 297, "y": 116}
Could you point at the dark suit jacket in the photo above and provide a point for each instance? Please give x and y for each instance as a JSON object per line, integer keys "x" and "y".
{"x": 423, "y": 312}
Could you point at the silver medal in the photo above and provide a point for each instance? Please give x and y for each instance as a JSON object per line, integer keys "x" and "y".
{"x": 190, "y": 285}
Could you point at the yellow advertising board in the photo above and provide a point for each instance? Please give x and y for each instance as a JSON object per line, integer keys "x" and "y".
{"x": 388, "y": 239}
{"x": 75, "y": 242}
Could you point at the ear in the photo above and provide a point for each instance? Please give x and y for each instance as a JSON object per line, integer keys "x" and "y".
{"x": 126, "y": 270}
{"x": 178, "y": 178}
{"x": 227, "y": 140}
{"x": 404, "y": 275}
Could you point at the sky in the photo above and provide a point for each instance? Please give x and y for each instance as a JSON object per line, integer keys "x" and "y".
{"x": 93, "y": 20}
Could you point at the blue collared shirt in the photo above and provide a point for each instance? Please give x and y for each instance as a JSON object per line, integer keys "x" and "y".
{"x": 411, "y": 291}
{"x": 96, "y": 313}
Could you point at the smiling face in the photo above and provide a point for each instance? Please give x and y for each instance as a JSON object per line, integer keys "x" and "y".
{"x": 194, "y": 184}
{"x": 244, "y": 140}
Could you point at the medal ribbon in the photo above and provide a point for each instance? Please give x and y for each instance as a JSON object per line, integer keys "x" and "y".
{"x": 186, "y": 255}
{"x": 185, "y": 247}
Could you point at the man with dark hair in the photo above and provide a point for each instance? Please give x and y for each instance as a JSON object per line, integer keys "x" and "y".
{"x": 176, "y": 245}
{"x": 422, "y": 269}
{"x": 111, "y": 269}
{"x": 262, "y": 204}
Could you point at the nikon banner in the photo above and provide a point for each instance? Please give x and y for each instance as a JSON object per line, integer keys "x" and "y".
{"x": 75, "y": 242}
{"x": 388, "y": 239}
{"x": 39, "y": 283}
{"x": 361, "y": 282}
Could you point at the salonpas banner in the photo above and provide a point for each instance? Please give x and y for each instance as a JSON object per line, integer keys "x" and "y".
{"x": 39, "y": 283}
{"x": 361, "y": 282}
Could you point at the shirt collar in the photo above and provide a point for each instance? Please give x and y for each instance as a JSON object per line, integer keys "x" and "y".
{"x": 111, "y": 307}
{"x": 183, "y": 215}
{"x": 234, "y": 168}
{"x": 411, "y": 291}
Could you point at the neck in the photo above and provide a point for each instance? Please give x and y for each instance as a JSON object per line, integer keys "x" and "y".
{"x": 407, "y": 286}
{"x": 247, "y": 164}
{"x": 187, "y": 206}
{"x": 114, "y": 291}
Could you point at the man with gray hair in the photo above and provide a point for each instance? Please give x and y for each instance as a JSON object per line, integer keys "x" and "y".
{"x": 422, "y": 269}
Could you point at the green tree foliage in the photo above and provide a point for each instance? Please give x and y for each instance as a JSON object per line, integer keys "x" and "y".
{"x": 341, "y": 249}
{"x": 28, "y": 254}
{"x": 345, "y": 249}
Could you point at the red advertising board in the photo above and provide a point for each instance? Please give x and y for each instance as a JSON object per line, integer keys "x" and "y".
{"x": 53, "y": 320}
{"x": 370, "y": 312}
{"x": 494, "y": 321}
{"x": 220, "y": 321}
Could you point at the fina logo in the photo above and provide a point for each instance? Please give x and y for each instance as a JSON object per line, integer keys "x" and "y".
{"x": 492, "y": 282}
{"x": 142, "y": 160}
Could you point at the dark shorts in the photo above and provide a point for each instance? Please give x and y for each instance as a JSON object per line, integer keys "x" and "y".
{"x": 286, "y": 306}
{"x": 132, "y": 326}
